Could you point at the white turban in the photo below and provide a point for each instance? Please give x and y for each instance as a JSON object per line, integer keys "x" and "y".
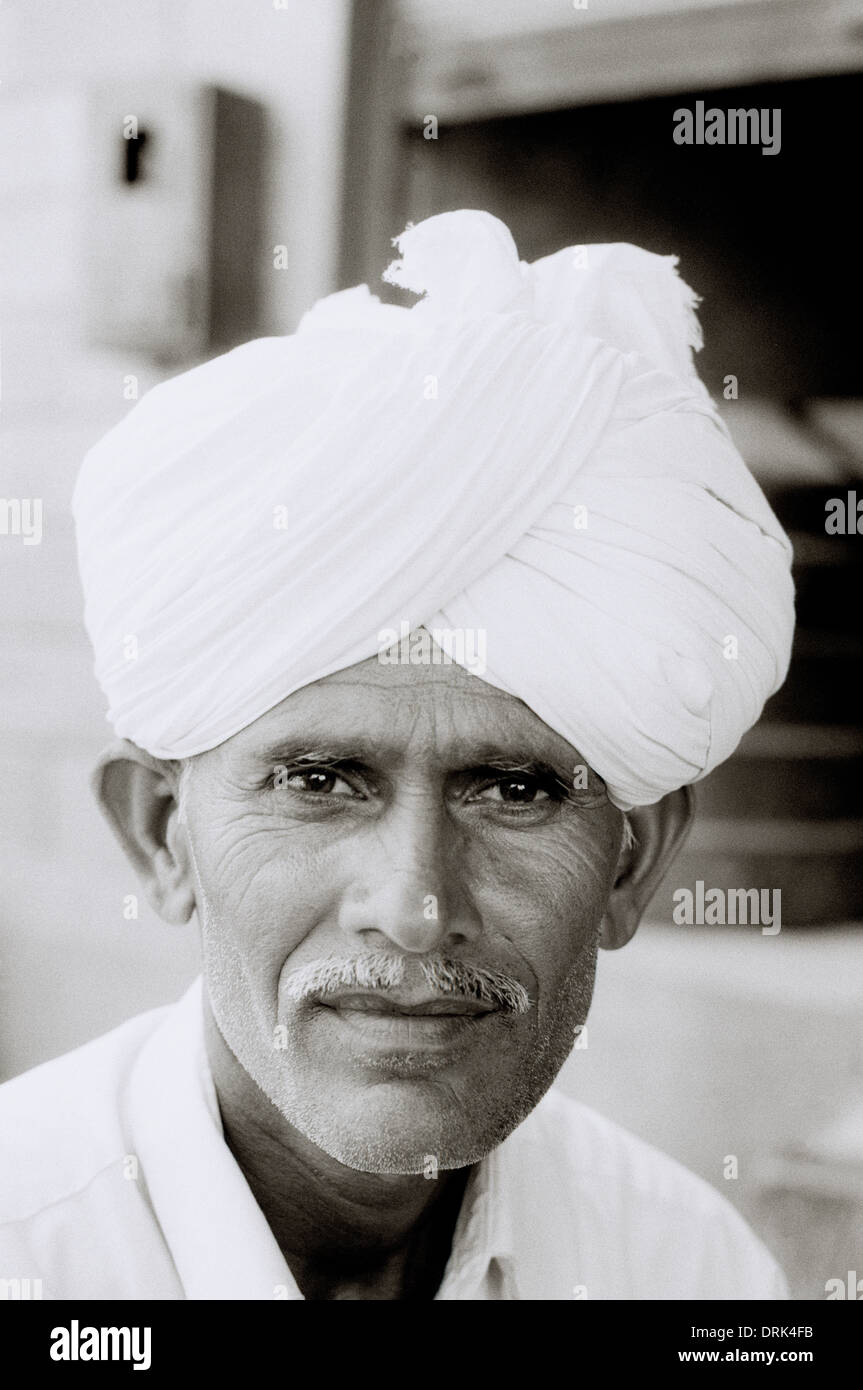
{"x": 526, "y": 453}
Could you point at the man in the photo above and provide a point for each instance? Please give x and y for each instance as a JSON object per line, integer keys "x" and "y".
{"x": 414, "y": 630}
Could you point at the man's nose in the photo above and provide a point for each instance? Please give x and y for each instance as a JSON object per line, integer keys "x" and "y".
{"x": 408, "y": 889}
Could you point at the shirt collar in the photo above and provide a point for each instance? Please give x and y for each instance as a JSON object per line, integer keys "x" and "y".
{"x": 483, "y": 1237}
{"x": 217, "y": 1234}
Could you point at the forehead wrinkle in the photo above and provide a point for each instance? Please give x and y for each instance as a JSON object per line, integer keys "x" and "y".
{"x": 423, "y": 739}
{"x": 373, "y": 671}
{"x": 447, "y": 723}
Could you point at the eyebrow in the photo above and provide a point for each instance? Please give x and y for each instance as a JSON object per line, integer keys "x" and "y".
{"x": 361, "y": 751}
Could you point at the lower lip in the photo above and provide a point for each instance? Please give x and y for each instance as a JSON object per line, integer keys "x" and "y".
{"x": 411, "y": 1032}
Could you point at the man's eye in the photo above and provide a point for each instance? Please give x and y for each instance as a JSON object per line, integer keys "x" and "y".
{"x": 514, "y": 791}
{"x": 321, "y": 781}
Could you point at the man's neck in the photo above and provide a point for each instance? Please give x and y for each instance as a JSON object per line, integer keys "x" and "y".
{"x": 344, "y": 1234}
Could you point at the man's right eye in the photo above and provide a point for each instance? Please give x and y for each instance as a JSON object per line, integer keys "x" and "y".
{"x": 311, "y": 781}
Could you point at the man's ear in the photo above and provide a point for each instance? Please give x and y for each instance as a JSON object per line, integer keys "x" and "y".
{"x": 660, "y": 831}
{"x": 137, "y": 794}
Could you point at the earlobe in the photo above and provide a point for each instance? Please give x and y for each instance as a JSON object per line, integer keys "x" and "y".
{"x": 137, "y": 795}
{"x": 660, "y": 831}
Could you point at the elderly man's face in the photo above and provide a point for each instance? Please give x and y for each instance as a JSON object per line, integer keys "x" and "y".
{"x": 417, "y": 814}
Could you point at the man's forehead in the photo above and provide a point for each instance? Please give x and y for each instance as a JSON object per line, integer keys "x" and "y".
{"x": 386, "y": 710}
{"x": 438, "y": 675}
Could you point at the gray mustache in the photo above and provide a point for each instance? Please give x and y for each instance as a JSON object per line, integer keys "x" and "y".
{"x": 378, "y": 970}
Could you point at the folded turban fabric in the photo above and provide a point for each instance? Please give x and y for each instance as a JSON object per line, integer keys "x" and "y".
{"x": 525, "y": 453}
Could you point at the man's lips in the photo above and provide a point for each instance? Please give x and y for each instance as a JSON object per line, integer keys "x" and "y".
{"x": 388, "y": 1024}
{"x": 399, "y": 1004}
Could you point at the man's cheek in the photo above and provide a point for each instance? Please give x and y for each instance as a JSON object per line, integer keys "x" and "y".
{"x": 558, "y": 865}
{"x": 553, "y": 902}
{"x": 265, "y": 933}
{"x": 268, "y": 878}
{"x": 562, "y": 952}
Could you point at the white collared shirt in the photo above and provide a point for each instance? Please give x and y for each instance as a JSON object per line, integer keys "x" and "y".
{"x": 116, "y": 1182}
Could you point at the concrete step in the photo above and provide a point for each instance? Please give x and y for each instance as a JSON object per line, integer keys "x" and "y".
{"x": 817, "y": 866}
{"x": 773, "y": 739}
{"x": 819, "y": 883}
{"x": 779, "y": 449}
{"x": 839, "y": 424}
{"x": 750, "y": 788}
{"x": 775, "y": 837}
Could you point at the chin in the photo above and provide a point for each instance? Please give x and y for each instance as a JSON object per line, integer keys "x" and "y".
{"x": 401, "y": 1154}
{"x": 412, "y": 1127}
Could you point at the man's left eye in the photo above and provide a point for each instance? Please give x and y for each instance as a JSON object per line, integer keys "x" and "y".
{"x": 514, "y": 791}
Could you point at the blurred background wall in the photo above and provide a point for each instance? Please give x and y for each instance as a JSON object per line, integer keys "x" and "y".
{"x": 278, "y": 147}
{"x": 72, "y": 963}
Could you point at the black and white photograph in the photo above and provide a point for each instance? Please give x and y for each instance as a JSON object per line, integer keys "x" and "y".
{"x": 431, "y": 666}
